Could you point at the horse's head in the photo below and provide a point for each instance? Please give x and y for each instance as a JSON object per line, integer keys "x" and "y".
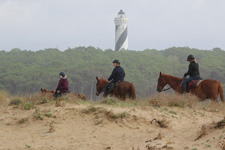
{"x": 161, "y": 82}
{"x": 43, "y": 90}
{"x": 100, "y": 85}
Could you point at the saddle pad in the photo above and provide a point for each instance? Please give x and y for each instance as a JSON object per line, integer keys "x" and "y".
{"x": 194, "y": 83}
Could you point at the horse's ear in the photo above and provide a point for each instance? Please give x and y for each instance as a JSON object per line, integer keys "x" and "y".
{"x": 160, "y": 73}
{"x": 97, "y": 78}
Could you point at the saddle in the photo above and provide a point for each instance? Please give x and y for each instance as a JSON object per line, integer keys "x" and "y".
{"x": 112, "y": 86}
{"x": 194, "y": 83}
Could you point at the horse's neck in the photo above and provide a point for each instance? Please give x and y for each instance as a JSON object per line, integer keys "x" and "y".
{"x": 174, "y": 82}
{"x": 104, "y": 82}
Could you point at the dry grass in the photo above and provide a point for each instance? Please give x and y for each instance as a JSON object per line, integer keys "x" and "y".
{"x": 157, "y": 100}
{"x": 173, "y": 100}
{"x": 22, "y": 120}
{"x": 220, "y": 124}
{"x": 100, "y": 112}
{"x": 163, "y": 123}
{"x": 15, "y": 102}
{"x": 4, "y": 98}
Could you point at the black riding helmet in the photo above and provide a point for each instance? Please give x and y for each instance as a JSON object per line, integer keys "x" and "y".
{"x": 62, "y": 74}
{"x": 116, "y": 61}
{"x": 190, "y": 57}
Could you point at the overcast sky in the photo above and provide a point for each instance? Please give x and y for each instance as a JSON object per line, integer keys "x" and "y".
{"x": 153, "y": 24}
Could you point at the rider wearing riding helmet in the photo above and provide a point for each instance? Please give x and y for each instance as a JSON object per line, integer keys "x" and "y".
{"x": 193, "y": 72}
{"x": 117, "y": 75}
{"x": 63, "y": 85}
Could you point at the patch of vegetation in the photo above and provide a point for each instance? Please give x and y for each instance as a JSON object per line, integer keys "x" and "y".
{"x": 109, "y": 101}
{"x": 16, "y": 102}
{"x": 123, "y": 115}
{"x": 38, "y": 116}
{"x": 49, "y": 114}
{"x": 28, "y": 146}
{"x": 91, "y": 110}
{"x": 28, "y": 106}
{"x": 154, "y": 103}
{"x": 113, "y": 116}
{"x": 43, "y": 101}
{"x": 176, "y": 103}
{"x": 22, "y": 120}
{"x": 173, "y": 100}
{"x": 207, "y": 145}
{"x": 109, "y": 114}
{"x": 172, "y": 112}
{"x": 51, "y": 127}
{"x": 220, "y": 124}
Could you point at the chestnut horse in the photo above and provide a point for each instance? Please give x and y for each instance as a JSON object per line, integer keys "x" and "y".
{"x": 206, "y": 89}
{"x": 120, "y": 91}
{"x": 80, "y": 96}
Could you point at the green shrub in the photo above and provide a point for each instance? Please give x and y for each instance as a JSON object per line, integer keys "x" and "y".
{"x": 39, "y": 116}
{"x": 28, "y": 106}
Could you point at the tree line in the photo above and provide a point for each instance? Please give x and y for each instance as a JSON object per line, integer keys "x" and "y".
{"x": 25, "y": 71}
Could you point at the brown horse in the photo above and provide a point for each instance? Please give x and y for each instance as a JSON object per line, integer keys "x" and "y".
{"x": 80, "y": 96}
{"x": 207, "y": 88}
{"x": 43, "y": 90}
{"x": 121, "y": 90}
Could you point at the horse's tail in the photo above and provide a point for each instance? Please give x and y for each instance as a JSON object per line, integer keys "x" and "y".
{"x": 221, "y": 92}
{"x": 132, "y": 91}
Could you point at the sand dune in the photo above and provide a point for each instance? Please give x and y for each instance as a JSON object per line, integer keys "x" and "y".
{"x": 113, "y": 125}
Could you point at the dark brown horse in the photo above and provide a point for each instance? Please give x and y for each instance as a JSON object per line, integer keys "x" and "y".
{"x": 80, "y": 96}
{"x": 207, "y": 88}
{"x": 43, "y": 90}
{"x": 121, "y": 90}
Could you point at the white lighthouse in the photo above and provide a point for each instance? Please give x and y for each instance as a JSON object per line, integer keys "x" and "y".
{"x": 121, "y": 38}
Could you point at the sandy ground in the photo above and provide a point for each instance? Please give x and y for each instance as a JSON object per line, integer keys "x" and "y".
{"x": 87, "y": 126}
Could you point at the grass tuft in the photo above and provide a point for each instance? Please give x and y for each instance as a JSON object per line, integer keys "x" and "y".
{"x": 173, "y": 100}
{"x": 28, "y": 106}
{"x": 22, "y": 120}
{"x": 109, "y": 101}
{"x": 16, "y": 102}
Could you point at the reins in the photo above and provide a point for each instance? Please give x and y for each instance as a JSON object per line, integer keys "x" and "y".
{"x": 170, "y": 86}
{"x": 166, "y": 89}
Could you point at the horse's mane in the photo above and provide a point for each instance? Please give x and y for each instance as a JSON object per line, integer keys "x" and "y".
{"x": 175, "y": 79}
{"x": 104, "y": 80}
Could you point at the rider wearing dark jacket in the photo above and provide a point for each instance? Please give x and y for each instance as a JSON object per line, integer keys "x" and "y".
{"x": 193, "y": 71}
{"x": 63, "y": 85}
{"x": 117, "y": 75}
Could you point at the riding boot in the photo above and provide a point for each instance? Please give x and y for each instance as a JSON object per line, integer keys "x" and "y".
{"x": 185, "y": 89}
{"x": 105, "y": 93}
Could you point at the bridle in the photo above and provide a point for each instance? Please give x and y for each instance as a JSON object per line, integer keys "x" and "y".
{"x": 98, "y": 92}
{"x": 160, "y": 81}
